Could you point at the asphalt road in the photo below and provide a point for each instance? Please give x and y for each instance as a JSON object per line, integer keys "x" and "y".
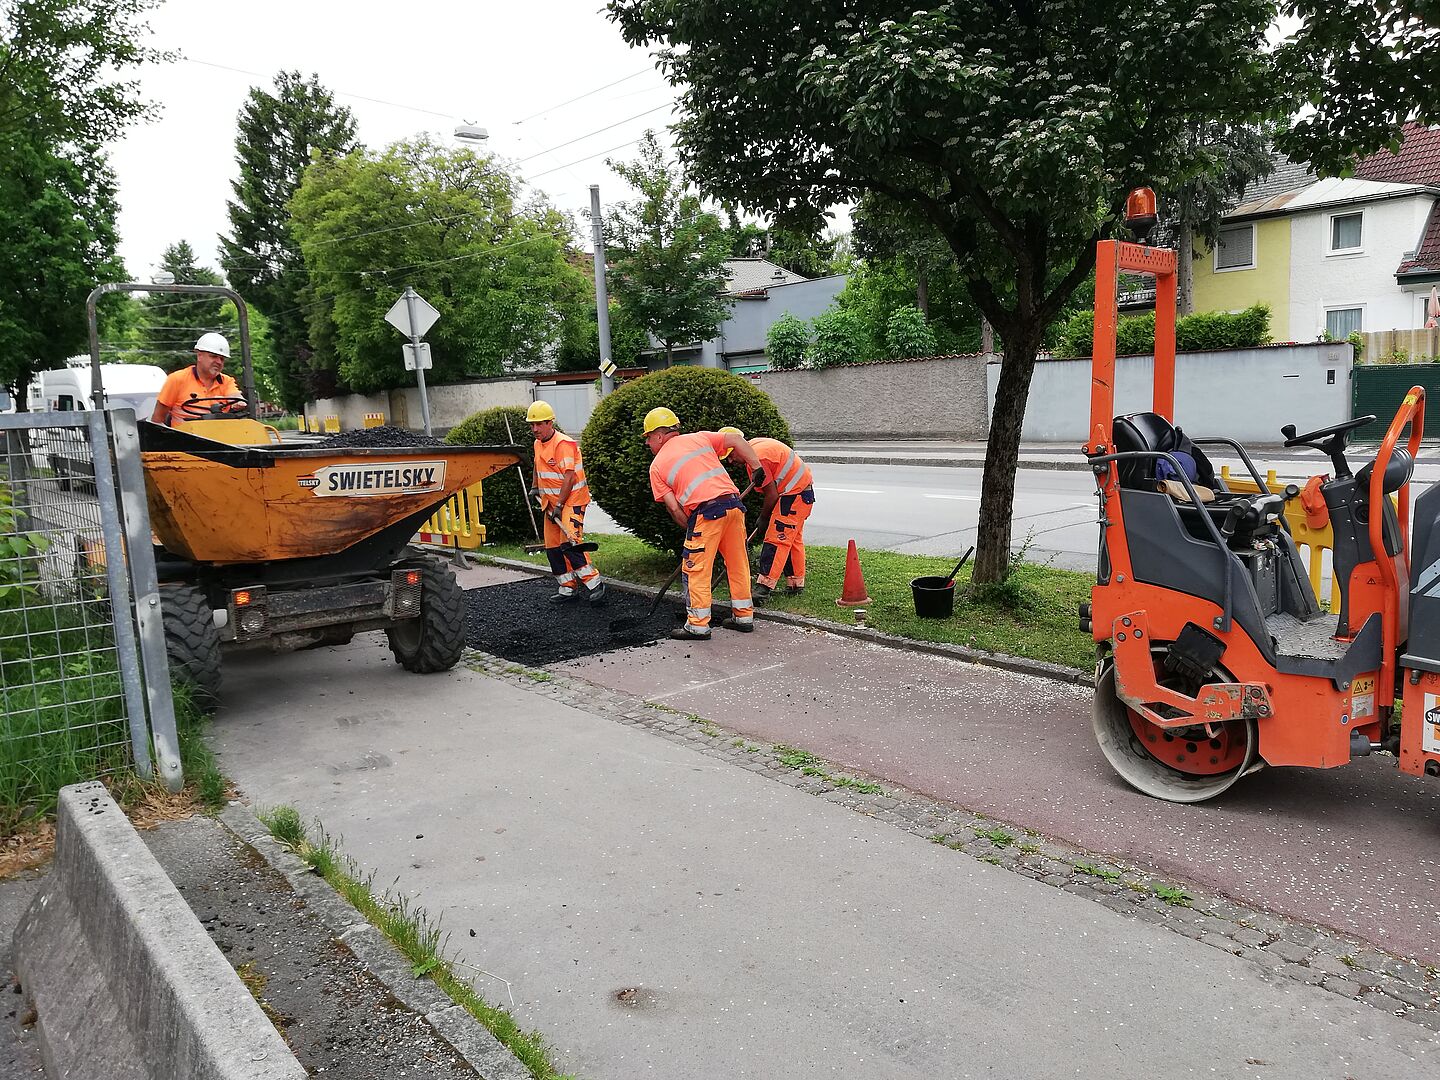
{"x": 655, "y": 911}
{"x": 933, "y": 511}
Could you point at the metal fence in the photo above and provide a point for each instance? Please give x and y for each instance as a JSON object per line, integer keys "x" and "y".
{"x": 80, "y": 621}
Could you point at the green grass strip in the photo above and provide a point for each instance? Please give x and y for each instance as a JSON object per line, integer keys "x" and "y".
{"x": 410, "y": 929}
{"x": 1032, "y": 614}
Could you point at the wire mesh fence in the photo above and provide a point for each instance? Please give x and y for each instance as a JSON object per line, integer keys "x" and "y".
{"x": 70, "y": 675}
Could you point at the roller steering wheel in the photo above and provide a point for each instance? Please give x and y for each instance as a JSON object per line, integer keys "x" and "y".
{"x": 1342, "y": 428}
{"x": 1334, "y": 444}
{"x": 217, "y": 408}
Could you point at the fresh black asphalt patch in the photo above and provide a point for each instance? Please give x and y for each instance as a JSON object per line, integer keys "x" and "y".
{"x": 517, "y": 621}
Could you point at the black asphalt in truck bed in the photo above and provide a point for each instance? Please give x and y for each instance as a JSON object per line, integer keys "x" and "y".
{"x": 517, "y": 621}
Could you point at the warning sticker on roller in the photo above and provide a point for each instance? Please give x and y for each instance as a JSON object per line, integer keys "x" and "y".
{"x": 1362, "y": 697}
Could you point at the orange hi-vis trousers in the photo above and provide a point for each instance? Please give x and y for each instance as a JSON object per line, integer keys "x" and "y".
{"x": 783, "y": 551}
{"x": 568, "y": 565}
{"x": 720, "y": 529}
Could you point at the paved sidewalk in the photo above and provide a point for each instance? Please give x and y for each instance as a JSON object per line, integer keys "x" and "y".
{"x": 655, "y": 908}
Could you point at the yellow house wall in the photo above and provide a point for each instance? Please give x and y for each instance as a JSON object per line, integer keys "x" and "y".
{"x": 1268, "y": 283}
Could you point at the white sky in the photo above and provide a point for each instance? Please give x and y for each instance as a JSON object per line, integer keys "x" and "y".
{"x": 439, "y": 62}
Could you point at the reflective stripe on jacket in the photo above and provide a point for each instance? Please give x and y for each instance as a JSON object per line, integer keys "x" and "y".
{"x": 553, "y": 459}
{"x": 688, "y": 467}
{"x": 782, "y": 465}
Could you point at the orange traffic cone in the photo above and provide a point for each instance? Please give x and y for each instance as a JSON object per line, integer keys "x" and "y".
{"x": 854, "y": 593}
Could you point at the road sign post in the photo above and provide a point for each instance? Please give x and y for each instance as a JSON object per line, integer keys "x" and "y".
{"x": 412, "y": 316}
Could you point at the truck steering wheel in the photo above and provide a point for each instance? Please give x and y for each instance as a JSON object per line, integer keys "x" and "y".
{"x": 1333, "y": 445}
{"x": 221, "y": 408}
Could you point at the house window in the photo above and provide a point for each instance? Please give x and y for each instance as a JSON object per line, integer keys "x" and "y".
{"x": 1235, "y": 248}
{"x": 1346, "y": 233}
{"x": 1340, "y": 323}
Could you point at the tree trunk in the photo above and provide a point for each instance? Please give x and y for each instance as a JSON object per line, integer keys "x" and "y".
{"x": 922, "y": 291}
{"x": 1002, "y": 455}
{"x": 987, "y": 337}
{"x": 1185, "y": 272}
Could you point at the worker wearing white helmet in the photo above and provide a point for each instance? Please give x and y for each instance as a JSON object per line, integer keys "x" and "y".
{"x": 202, "y": 390}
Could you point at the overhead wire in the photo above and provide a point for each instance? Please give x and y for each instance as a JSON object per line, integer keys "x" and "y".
{"x": 582, "y": 97}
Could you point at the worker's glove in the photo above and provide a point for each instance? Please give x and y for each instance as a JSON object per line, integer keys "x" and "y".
{"x": 758, "y": 479}
{"x": 553, "y": 514}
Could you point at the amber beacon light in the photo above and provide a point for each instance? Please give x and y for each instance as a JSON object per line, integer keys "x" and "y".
{"x": 1140, "y": 212}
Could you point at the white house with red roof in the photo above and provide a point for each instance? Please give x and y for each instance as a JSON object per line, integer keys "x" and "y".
{"x": 1337, "y": 255}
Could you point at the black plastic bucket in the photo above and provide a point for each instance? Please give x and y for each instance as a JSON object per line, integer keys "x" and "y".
{"x": 934, "y": 597}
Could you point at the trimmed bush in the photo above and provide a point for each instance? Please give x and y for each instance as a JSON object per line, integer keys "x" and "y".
{"x": 786, "y": 342}
{"x": 1203, "y": 331}
{"x": 618, "y": 464}
{"x": 504, "y": 515}
{"x": 840, "y": 338}
{"x": 908, "y": 334}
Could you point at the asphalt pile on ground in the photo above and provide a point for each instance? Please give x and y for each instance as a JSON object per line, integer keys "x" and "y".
{"x": 340, "y": 1021}
{"x": 376, "y": 437}
{"x": 517, "y": 621}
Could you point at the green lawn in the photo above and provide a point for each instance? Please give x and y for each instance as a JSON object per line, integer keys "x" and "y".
{"x": 1032, "y": 615}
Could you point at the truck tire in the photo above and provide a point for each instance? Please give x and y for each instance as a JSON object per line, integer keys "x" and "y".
{"x": 435, "y": 639}
{"x": 192, "y": 643}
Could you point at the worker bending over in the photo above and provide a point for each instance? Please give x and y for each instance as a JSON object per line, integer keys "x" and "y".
{"x": 688, "y": 478}
{"x": 789, "y": 498}
{"x": 187, "y": 394}
{"x": 564, "y": 495}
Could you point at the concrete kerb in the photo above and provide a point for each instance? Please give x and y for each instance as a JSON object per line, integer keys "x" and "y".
{"x": 124, "y": 981}
{"x": 1019, "y": 664}
{"x": 469, "y": 1038}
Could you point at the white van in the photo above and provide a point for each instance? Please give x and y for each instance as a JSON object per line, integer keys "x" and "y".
{"x": 69, "y": 389}
{"x": 127, "y": 386}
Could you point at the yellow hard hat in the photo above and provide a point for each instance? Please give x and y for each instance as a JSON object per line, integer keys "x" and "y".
{"x": 658, "y": 418}
{"x": 538, "y": 411}
{"x": 729, "y": 431}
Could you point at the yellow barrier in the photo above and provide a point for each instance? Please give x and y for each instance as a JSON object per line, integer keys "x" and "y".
{"x": 457, "y": 523}
{"x": 374, "y": 419}
{"x": 1312, "y": 542}
{"x": 332, "y": 423}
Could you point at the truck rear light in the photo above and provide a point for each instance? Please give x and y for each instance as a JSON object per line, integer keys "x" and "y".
{"x": 405, "y": 590}
{"x": 248, "y": 613}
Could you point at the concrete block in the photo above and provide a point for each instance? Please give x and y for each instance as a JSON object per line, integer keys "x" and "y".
{"x": 124, "y": 981}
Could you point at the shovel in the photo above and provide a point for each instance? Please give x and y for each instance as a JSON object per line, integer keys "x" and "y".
{"x": 568, "y": 545}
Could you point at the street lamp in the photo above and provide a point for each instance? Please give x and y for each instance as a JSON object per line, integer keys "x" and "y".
{"x": 471, "y": 133}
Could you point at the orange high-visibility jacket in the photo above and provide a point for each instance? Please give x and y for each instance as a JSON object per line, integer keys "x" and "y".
{"x": 688, "y": 466}
{"x": 553, "y": 459}
{"x": 783, "y": 466}
{"x": 186, "y": 385}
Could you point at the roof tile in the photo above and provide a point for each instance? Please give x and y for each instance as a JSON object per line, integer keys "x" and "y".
{"x": 1418, "y": 161}
{"x": 1427, "y": 256}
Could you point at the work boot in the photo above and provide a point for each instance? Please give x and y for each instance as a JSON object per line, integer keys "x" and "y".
{"x": 794, "y": 590}
{"x": 736, "y": 624}
{"x": 563, "y": 597}
{"x": 597, "y": 596}
{"x": 760, "y": 592}
{"x": 682, "y": 633}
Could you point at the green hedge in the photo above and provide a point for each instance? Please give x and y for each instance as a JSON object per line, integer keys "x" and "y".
{"x": 1204, "y": 331}
{"x": 504, "y": 515}
{"x": 617, "y": 462}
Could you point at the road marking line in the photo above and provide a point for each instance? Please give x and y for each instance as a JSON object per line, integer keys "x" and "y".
{"x": 967, "y": 498}
{"x": 852, "y": 491}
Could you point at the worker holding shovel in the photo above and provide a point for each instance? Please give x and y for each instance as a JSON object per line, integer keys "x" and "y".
{"x": 688, "y": 478}
{"x": 788, "y": 502}
{"x": 564, "y": 495}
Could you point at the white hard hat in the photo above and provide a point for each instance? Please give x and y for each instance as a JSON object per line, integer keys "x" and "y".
{"x": 213, "y": 343}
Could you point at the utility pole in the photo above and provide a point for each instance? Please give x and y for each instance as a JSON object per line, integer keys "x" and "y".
{"x": 602, "y": 295}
